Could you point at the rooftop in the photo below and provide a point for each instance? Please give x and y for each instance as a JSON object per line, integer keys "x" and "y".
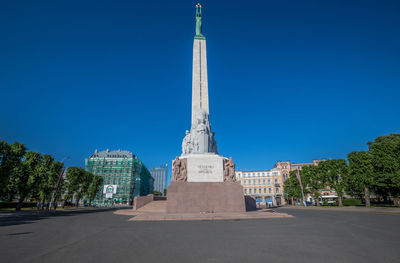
{"x": 258, "y": 171}
{"x": 112, "y": 154}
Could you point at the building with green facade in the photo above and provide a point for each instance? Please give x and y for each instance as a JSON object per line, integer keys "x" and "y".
{"x": 124, "y": 176}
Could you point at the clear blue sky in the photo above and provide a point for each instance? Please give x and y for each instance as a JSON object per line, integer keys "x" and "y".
{"x": 288, "y": 80}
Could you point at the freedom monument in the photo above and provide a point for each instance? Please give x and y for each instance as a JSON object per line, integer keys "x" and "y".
{"x": 202, "y": 180}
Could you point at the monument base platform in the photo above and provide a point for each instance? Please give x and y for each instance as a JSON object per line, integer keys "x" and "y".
{"x": 205, "y": 197}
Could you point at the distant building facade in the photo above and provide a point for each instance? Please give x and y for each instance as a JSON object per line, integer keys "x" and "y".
{"x": 286, "y": 167}
{"x": 160, "y": 175}
{"x": 265, "y": 186}
{"x": 124, "y": 176}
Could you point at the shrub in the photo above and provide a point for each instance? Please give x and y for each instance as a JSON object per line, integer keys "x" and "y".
{"x": 352, "y": 202}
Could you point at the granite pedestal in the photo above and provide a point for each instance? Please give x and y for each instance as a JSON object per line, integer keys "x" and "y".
{"x": 205, "y": 197}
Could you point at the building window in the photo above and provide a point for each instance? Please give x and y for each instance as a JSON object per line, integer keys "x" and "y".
{"x": 245, "y": 191}
{"x": 269, "y": 181}
{"x": 259, "y": 190}
{"x": 285, "y": 176}
{"x": 259, "y": 181}
{"x": 255, "y": 181}
{"x": 258, "y": 174}
{"x": 276, "y": 180}
{"x": 249, "y": 190}
{"x": 263, "y": 181}
{"x": 276, "y": 189}
{"x": 255, "y": 190}
{"x": 265, "y": 190}
{"x": 269, "y": 190}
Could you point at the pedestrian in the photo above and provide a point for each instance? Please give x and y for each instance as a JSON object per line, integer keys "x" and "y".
{"x": 55, "y": 205}
{"x": 38, "y": 205}
{"x": 47, "y": 206}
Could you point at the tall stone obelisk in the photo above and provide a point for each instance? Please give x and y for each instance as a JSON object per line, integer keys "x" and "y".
{"x": 202, "y": 180}
{"x": 199, "y": 77}
{"x": 200, "y": 139}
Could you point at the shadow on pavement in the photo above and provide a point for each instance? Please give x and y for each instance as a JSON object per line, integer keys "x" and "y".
{"x": 28, "y": 217}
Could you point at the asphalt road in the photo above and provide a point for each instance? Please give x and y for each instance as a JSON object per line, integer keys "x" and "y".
{"x": 101, "y": 236}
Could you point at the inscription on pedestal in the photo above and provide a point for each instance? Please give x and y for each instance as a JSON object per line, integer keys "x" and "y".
{"x": 205, "y": 168}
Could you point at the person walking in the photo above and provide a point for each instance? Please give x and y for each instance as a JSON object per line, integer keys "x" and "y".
{"x": 55, "y": 205}
{"x": 38, "y": 205}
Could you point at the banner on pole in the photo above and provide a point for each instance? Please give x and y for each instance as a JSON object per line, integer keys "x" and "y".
{"x": 299, "y": 179}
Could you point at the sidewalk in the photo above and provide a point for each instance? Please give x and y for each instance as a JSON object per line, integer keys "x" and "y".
{"x": 377, "y": 210}
{"x": 35, "y": 212}
{"x": 156, "y": 211}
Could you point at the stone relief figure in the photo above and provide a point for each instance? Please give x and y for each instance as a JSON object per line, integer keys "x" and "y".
{"x": 195, "y": 144}
{"x": 226, "y": 172}
{"x": 176, "y": 168}
{"x": 187, "y": 146}
{"x": 201, "y": 131}
{"x": 201, "y": 122}
{"x": 200, "y": 139}
{"x": 229, "y": 170}
{"x": 183, "y": 174}
{"x": 179, "y": 170}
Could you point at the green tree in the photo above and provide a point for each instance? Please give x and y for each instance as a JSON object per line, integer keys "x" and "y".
{"x": 10, "y": 161}
{"x": 79, "y": 181}
{"x": 361, "y": 178}
{"x": 94, "y": 187}
{"x": 385, "y": 152}
{"x": 313, "y": 180}
{"x": 292, "y": 187}
{"x": 73, "y": 182}
{"x": 24, "y": 177}
{"x": 335, "y": 174}
{"x": 49, "y": 171}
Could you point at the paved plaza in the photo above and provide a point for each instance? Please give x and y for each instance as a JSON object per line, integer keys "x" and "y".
{"x": 102, "y": 236}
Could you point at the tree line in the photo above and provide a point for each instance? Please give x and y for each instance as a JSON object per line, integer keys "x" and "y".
{"x": 375, "y": 172}
{"x": 31, "y": 176}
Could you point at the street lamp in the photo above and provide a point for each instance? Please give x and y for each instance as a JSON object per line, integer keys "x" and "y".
{"x": 58, "y": 182}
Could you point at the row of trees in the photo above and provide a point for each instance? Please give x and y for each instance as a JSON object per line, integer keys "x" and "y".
{"x": 365, "y": 173}
{"x": 28, "y": 175}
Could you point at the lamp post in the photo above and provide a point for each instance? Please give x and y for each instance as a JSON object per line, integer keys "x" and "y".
{"x": 58, "y": 182}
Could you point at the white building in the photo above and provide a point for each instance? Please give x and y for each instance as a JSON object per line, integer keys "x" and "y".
{"x": 265, "y": 186}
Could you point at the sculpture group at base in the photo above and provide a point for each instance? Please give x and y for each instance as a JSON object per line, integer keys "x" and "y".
{"x": 200, "y": 139}
{"x": 179, "y": 170}
{"x": 229, "y": 170}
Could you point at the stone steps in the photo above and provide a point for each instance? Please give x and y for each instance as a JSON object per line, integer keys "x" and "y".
{"x": 156, "y": 211}
{"x": 158, "y": 206}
